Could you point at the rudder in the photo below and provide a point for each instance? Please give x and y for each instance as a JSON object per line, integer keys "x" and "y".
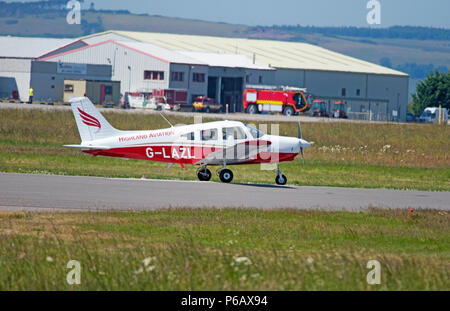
{"x": 90, "y": 122}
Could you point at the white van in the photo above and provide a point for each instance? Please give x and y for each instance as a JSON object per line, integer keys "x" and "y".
{"x": 431, "y": 115}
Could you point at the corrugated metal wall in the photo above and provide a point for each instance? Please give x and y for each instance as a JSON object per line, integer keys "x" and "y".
{"x": 48, "y": 84}
{"x": 128, "y": 65}
{"x": 390, "y": 92}
{"x": 16, "y": 76}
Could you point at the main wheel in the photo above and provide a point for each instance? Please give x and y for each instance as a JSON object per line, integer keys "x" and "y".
{"x": 252, "y": 109}
{"x": 281, "y": 180}
{"x": 226, "y": 175}
{"x": 204, "y": 174}
{"x": 288, "y": 111}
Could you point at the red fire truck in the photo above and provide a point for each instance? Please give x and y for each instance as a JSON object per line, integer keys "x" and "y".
{"x": 287, "y": 100}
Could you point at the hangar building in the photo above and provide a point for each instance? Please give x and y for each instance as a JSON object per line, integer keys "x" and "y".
{"x": 16, "y": 57}
{"x": 144, "y": 67}
{"x": 366, "y": 88}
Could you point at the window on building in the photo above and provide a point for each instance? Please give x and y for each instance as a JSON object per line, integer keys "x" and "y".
{"x": 177, "y": 76}
{"x": 108, "y": 90}
{"x": 153, "y": 75}
{"x": 247, "y": 79}
{"x": 343, "y": 93}
{"x": 358, "y": 92}
{"x": 68, "y": 88}
{"x": 260, "y": 80}
{"x": 198, "y": 77}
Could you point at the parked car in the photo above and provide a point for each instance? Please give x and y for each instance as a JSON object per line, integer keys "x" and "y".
{"x": 411, "y": 118}
{"x": 431, "y": 115}
{"x": 206, "y": 104}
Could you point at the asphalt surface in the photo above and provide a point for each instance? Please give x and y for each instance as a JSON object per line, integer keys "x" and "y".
{"x": 50, "y": 192}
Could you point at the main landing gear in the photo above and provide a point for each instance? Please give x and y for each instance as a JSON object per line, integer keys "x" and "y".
{"x": 225, "y": 175}
{"x": 280, "y": 179}
{"x": 204, "y": 174}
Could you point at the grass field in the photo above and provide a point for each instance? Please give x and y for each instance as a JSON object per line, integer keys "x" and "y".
{"x": 344, "y": 154}
{"x": 225, "y": 249}
{"x": 231, "y": 249}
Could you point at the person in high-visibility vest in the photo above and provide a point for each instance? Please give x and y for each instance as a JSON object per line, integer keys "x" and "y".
{"x": 30, "y": 100}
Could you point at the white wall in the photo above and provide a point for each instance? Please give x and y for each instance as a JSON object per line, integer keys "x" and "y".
{"x": 19, "y": 70}
{"x": 120, "y": 58}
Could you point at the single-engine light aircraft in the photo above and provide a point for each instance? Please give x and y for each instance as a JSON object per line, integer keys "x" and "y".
{"x": 218, "y": 143}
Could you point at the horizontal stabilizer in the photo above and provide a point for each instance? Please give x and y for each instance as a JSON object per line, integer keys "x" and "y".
{"x": 87, "y": 147}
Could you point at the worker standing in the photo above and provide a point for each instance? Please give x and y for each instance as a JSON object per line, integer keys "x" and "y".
{"x": 30, "y": 100}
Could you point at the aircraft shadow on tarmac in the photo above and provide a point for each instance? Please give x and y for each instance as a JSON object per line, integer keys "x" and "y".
{"x": 264, "y": 186}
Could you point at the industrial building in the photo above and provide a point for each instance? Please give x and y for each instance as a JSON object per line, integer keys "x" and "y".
{"x": 221, "y": 68}
{"x": 367, "y": 89}
{"x": 16, "y": 57}
{"x": 145, "y": 67}
{"x": 106, "y": 93}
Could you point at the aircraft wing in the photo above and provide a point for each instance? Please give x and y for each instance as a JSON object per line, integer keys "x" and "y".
{"x": 240, "y": 152}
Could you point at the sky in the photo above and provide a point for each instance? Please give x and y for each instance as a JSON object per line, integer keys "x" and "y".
{"x": 433, "y": 13}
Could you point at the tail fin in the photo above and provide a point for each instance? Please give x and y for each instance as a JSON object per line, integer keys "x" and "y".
{"x": 91, "y": 124}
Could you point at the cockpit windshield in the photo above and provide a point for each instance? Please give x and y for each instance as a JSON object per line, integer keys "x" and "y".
{"x": 254, "y": 132}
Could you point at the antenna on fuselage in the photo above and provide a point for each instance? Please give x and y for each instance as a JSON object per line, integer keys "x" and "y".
{"x": 165, "y": 119}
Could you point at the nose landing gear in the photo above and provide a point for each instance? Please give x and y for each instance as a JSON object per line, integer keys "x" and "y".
{"x": 280, "y": 179}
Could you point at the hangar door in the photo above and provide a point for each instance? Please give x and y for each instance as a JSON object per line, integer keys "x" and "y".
{"x": 231, "y": 94}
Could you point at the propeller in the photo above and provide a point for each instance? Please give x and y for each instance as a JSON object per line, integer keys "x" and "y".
{"x": 303, "y": 143}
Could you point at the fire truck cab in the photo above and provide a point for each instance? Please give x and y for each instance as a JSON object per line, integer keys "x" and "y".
{"x": 286, "y": 100}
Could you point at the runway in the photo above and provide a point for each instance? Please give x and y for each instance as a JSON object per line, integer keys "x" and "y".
{"x": 50, "y": 192}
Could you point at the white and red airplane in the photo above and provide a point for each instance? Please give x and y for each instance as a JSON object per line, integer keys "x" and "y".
{"x": 214, "y": 143}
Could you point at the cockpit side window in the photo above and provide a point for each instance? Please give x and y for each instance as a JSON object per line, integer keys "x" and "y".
{"x": 187, "y": 136}
{"x": 254, "y": 132}
{"x": 234, "y": 133}
{"x": 209, "y": 134}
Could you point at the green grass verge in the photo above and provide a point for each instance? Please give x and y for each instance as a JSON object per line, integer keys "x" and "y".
{"x": 344, "y": 154}
{"x": 199, "y": 249}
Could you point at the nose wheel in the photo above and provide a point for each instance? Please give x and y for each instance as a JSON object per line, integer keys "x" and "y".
{"x": 280, "y": 179}
{"x": 204, "y": 174}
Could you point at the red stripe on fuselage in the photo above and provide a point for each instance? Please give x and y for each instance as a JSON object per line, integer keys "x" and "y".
{"x": 183, "y": 154}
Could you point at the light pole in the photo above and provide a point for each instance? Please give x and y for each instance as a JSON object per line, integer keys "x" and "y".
{"x": 129, "y": 79}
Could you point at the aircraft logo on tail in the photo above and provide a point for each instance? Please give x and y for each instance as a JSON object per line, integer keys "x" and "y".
{"x": 89, "y": 120}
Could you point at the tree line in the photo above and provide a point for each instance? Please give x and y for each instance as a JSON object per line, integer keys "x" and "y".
{"x": 58, "y": 7}
{"x": 394, "y": 32}
{"x": 415, "y": 71}
{"x": 433, "y": 91}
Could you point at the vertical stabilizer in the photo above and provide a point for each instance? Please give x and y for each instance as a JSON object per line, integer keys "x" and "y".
{"x": 91, "y": 124}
